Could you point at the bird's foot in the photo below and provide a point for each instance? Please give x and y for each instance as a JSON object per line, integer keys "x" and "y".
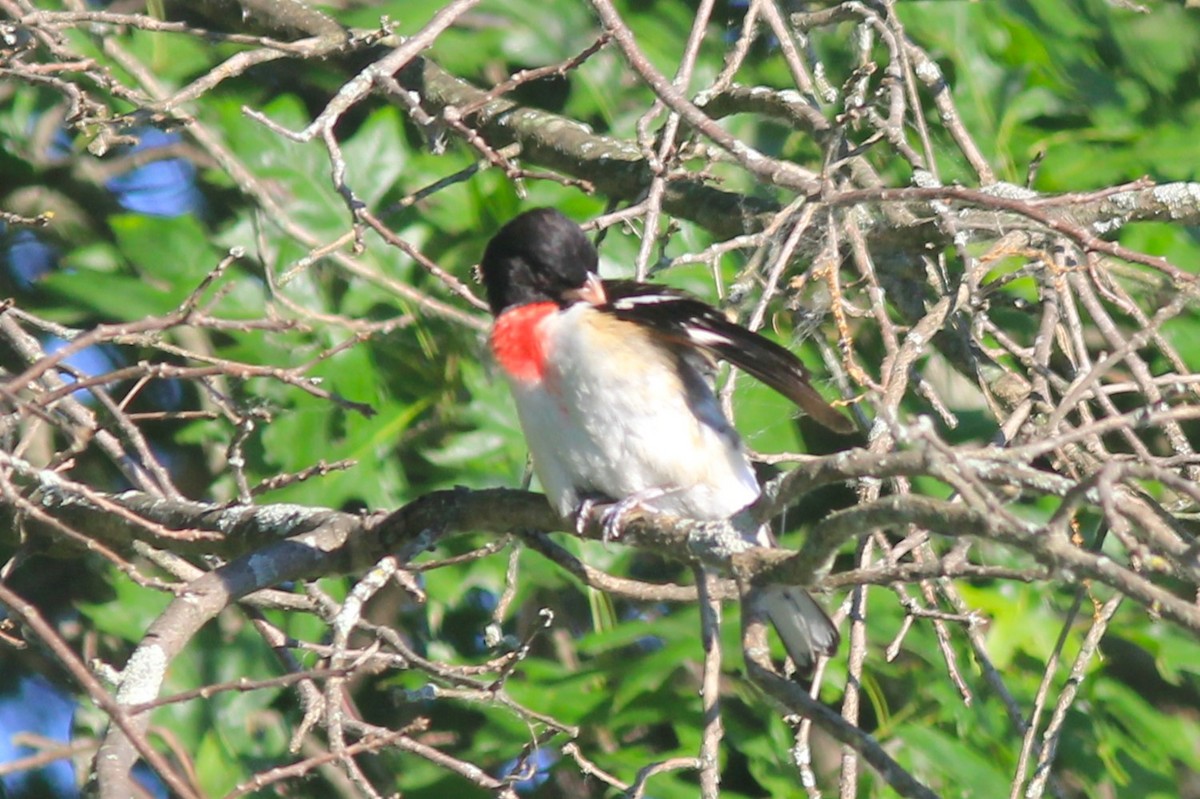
{"x": 615, "y": 513}
{"x": 614, "y": 517}
{"x": 583, "y": 511}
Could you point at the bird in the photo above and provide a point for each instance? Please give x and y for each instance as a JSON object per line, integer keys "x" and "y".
{"x": 612, "y": 381}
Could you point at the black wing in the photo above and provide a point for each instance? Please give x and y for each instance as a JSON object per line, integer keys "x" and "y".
{"x": 685, "y": 319}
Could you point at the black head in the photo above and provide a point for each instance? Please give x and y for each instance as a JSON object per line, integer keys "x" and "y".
{"x": 540, "y": 255}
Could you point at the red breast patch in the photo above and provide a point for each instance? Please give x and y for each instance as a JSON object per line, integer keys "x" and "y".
{"x": 517, "y": 343}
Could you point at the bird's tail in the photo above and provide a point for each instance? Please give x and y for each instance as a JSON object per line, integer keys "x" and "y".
{"x": 805, "y": 627}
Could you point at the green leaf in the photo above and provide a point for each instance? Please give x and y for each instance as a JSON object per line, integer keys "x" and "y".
{"x": 948, "y": 763}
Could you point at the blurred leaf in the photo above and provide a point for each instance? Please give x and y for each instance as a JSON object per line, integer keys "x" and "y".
{"x": 950, "y": 764}
{"x": 113, "y": 617}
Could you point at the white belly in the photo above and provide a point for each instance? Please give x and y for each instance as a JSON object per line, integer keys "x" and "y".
{"x": 624, "y": 423}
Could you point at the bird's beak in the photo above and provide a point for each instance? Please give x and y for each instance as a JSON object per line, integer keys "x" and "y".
{"x": 591, "y": 292}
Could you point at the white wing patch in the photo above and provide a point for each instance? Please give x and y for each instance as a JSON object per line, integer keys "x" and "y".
{"x": 707, "y": 338}
{"x": 625, "y": 303}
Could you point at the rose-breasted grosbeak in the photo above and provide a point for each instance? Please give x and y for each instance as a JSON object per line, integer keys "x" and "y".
{"x": 612, "y": 385}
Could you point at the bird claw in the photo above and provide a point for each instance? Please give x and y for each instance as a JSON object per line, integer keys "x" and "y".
{"x": 583, "y": 513}
{"x": 609, "y": 519}
{"x": 614, "y": 517}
